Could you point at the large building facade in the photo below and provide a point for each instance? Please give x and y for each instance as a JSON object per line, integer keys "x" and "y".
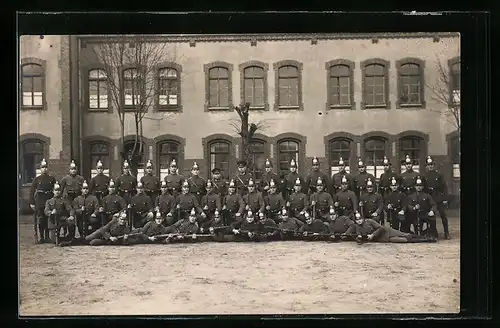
{"x": 325, "y": 96}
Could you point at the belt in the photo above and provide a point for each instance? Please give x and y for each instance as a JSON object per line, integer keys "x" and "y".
{"x": 44, "y": 191}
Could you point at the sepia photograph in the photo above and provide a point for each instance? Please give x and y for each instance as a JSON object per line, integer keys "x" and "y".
{"x": 216, "y": 174}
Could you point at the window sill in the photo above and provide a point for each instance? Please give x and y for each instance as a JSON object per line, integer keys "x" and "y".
{"x": 32, "y": 108}
{"x": 417, "y": 106}
{"x": 98, "y": 110}
{"x": 176, "y": 108}
{"x": 384, "y": 106}
{"x": 210, "y": 109}
{"x": 258, "y": 108}
{"x": 334, "y": 107}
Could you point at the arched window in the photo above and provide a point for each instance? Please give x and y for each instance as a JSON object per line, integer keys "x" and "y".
{"x": 32, "y": 85}
{"x": 374, "y": 156}
{"x": 98, "y": 89}
{"x": 375, "y": 83}
{"x": 253, "y": 91}
{"x": 219, "y": 156}
{"x": 340, "y": 85}
{"x": 167, "y": 151}
{"x": 411, "y": 146}
{"x": 32, "y": 152}
{"x": 287, "y": 149}
{"x": 259, "y": 158}
{"x": 99, "y": 151}
{"x": 339, "y": 148}
{"x": 132, "y": 87}
{"x": 410, "y": 84}
{"x": 288, "y": 86}
{"x": 218, "y": 78}
{"x": 168, "y": 88}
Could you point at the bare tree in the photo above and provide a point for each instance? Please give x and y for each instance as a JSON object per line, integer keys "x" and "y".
{"x": 131, "y": 65}
{"x": 246, "y": 131}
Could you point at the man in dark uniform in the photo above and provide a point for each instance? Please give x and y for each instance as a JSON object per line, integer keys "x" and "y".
{"x": 338, "y": 226}
{"x": 99, "y": 184}
{"x": 313, "y": 226}
{"x": 184, "y": 227}
{"x": 421, "y": 209}
{"x": 337, "y": 178}
{"x": 266, "y": 179}
{"x": 165, "y": 204}
{"x": 371, "y": 203}
{"x": 41, "y": 190}
{"x": 313, "y": 177}
{"x": 211, "y": 202}
{"x": 148, "y": 234}
{"x": 141, "y": 208}
{"x": 290, "y": 181}
{"x": 321, "y": 202}
{"x": 408, "y": 177}
{"x": 196, "y": 183}
{"x": 268, "y": 228}
{"x": 385, "y": 183}
{"x": 59, "y": 211}
{"x": 126, "y": 184}
{"x": 361, "y": 178}
{"x": 298, "y": 202}
{"x": 345, "y": 201}
{"x": 436, "y": 186}
{"x": 253, "y": 199}
{"x": 233, "y": 205}
{"x": 219, "y": 184}
{"x": 185, "y": 202}
{"x": 174, "y": 180}
{"x": 85, "y": 210}
{"x": 151, "y": 183}
{"x": 246, "y": 229}
{"x": 111, "y": 204}
{"x": 274, "y": 202}
{"x": 395, "y": 204}
{"x": 289, "y": 226}
{"x": 110, "y": 233}
{"x": 71, "y": 184}
{"x": 242, "y": 178}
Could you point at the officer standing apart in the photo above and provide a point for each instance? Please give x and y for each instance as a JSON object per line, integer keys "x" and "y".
{"x": 437, "y": 188}
{"x": 41, "y": 191}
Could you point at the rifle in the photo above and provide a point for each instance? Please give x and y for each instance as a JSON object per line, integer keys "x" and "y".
{"x": 57, "y": 227}
{"x": 359, "y": 238}
{"x": 129, "y": 235}
{"x": 170, "y": 236}
{"x": 419, "y": 223}
{"x": 216, "y": 229}
{"x": 283, "y": 231}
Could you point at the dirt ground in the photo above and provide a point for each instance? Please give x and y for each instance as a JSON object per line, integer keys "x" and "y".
{"x": 240, "y": 278}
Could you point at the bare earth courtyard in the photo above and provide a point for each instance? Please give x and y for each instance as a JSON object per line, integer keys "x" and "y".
{"x": 240, "y": 278}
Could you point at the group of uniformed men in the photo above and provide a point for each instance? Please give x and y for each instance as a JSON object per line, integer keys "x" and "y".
{"x": 127, "y": 211}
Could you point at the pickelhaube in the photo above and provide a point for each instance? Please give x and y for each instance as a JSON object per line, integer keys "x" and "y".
{"x": 360, "y": 163}
{"x": 341, "y": 162}
{"x": 185, "y": 184}
{"x": 111, "y": 183}
{"x": 386, "y": 161}
{"x": 72, "y": 165}
{"x": 57, "y": 186}
{"x": 139, "y": 185}
{"x": 123, "y": 215}
{"x": 99, "y": 164}
{"x": 393, "y": 181}
{"x": 429, "y": 160}
{"x": 85, "y": 185}
{"x": 216, "y": 213}
{"x": 209, "y": 184}
{"x": 315, "y": 161}
{"x": 369, "y": 183}
{"x": 261, "y": 215}
{"x": 43, "y": 163}
{"x": 250, "y": 182}
{"x": 125, "y": 164}
{"x": 268, "y": 163}
{"x": 284, "y": 212}
{"x": 419, "y": 181}
{"x": 306, "y": 215}
{"x": 319, "y": 182}
{"x": 250, "y": 214}
{"x": 357, "y": 215}
{"x": 297, "y": 182}
{"x": 195, "y": 166}
{"x": 407, "y": 159}
{"x": 173, "y": 163}
{"x": 231, "y": 183}
{"x": 193, "y": 212}
{"x": 149, "y": 164}
{"x": 292, "y": 163}
{"x": 344, "y": 180}
{"x": 164, "y": 184}
{"x": 272, "y": 184}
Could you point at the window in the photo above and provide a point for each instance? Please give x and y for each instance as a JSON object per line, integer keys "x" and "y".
{"x": 254, "y": 86}
{"x": 219, "y": 85}
{"x": 410, "y": 146}
{"x": 375, "y": 83}
{"x": 374, "y": 156}
{"x": 288, "y": 87}
{"x": 455, "y": 156}
{"x": 219, "y": 157}
{"x": 340, "y": 86}
{"x": 410, "y": 84}
{"x": 259, "y": 158}
{"x": 167, "y": 151}
{"x": 32, "y": 155}
{"x": 98, "y": 89}
{"x": 32, "y": 85}
{"x": 288, "y": 149}
{"x": 455, "y": 80}
{"x": 99, "y": 151}
{"x": 339, "y": 148}
{"x": 132, "y": 87}
{"x": 168, "y": 88}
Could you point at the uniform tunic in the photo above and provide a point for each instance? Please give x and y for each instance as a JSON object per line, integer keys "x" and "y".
{"x": 115, "y": 230}
{"x": 71, "y": 186}
{"x": 255, "y": 201}
{"x": 153, "y": 229}
{"x": 372, "y": 203}
{"x": 435, "y": 185}
{"x": 368, "y": 226}
{"x": 41, "y": 190}
{"x": 312, "y": 181}
{"x": 408, "y": 180}
{"x": 316, "y": 226}
{"x": 385, "y": 182}
{"x": 98, "y": 185}
{"x": 220, "y": 187}
{"x": 211, "y": 202}
{"x": 426, "y": 203}
{"x": 165, "y": 203}
{"x": 184, "y": 227}
{"x": 126, "y": 186}
{"x": 89, "y": 201}
{"x": 397, "y": 199}
{"x": 298, "y": 202}
{"x": 197, "y": 186}
{"x": 340, "y": 225}
{"x": 141, "y": 206}
{"x": 265, "y": 181}
{"x": 337, "y": 181}
{"x": 360, "y": 181}
{"x": 62, "y": 206}
{"x": 347, "y": 202}
{"x": 151, "y": 186}
{"x": 323, "y": 203}
{"x": 276, "y": 202}
{"x": 241, "y": 182}
{"x": 174, "y": 183}
{"x": 112, "y": 204}
{"x": 187, "y": 202}
{"x": 290, "y": 225}
{"x": 289, "y": 183}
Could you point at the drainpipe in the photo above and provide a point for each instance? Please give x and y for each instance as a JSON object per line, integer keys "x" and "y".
{"x": 74, "y": 102}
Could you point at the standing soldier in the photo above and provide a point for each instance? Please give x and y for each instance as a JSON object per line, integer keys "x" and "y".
{"x": 314, "y": 176}
{"x": 196, "y": 183}
{"x": 211, "y": 202}
{"x": 219, "y": 184}
{"x": 71, "y": 184}
{"x": 385, "y": 182}
{"x": 141, "y": 208}
{"x": 174, "y": 180}
{"x": 345, "y": 201}
{"x": 85, "y": 208}
{"x": 395, "y": 203}
{"x": 165, "y": 204}
{"x": 185, "y": 202}
{"x": 361, "y": 178}
{"x": 290, "y": 179}
{"x": 421, "y": 209}
{"x": 371, "y": 203}
{"x": 437, "y": 188}
{"x": 408, "y": 177}
{"x": 232, "y": 205}
{"x": 337, "y": 178}
{"x": 322, "y": 202}
{"x": 274, "y": 202}
{"x": 126, "y": 183}
{"x": 99, "y": 184}
{"x": 266, "y": 179}
{"x": 242, "y": 178}
{"x": 59, "y": 211}
{"x": 151, "y": 183}
{"x": 111, "y": 204}
{"x": 298, "y": 202}
{"x": 41, "y": 191}
{"x": 253, "y": 199}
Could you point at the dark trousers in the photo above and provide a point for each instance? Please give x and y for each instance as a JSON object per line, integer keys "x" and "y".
{"x": 393, "y": 218}
{"x": 410, "y": 220}
{"x": 431, "y": 227}
{"x": 152, "y": 195}
{"x": 40, "y": 223}
{"x": 444, "y": 218}
{"x": 81, "y": 223}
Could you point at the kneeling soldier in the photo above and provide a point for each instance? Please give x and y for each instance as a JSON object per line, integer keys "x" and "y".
{"x": 113, "y": 233}
{"x": 246, "y": 229}
{"x": 111, "y": 204}
{"x": 85, "y": 208}
{"x": 183, "y": 228}
{"x": 313, "y": 227}
{"x": 298, "y": 202}
{"x": 321, "y": 201}
{"x": 165, "y": 204}
{"x": 141, "y": 208}
{"x": 59, "y": 211}
{"x": 371, "y": 203}
{"x": 274, "y": 202}
{"x": 148, "y": 233}
{"x": 395, "y": 204}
